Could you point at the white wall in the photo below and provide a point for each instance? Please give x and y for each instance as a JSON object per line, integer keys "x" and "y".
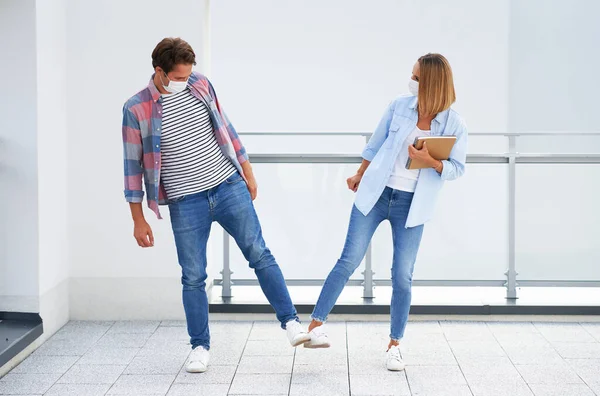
{"x": 51, "y": 44}
{"x": 109, "y": 59}
{"x": 335, "y": 65}
{"x": 18, "y": 158}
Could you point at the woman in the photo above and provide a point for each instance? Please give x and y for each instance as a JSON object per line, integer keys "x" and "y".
{"x": 386, "y": 190}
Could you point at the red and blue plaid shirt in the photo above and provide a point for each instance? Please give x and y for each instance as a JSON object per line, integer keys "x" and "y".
{"x": 142, "y": 124}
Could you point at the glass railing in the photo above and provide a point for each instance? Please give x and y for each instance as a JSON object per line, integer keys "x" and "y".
{"x": 525, "y": 213}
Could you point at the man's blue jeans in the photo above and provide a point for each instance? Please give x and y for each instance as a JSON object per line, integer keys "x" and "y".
{"x": 230, "y": 205}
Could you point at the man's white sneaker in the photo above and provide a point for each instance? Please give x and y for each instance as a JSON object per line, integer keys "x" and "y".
{"x": 197, "y": 361}
{"x": 296, "y": 333}
{"x": 394, "y": 361}
{"x": 318, "y": 338}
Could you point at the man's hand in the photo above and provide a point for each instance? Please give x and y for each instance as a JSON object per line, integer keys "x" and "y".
{"x": 143, "y": 233}
{"x": 422, "y": 155}
{"x": 252, "y": 186}
{"x": 354, "y": 181}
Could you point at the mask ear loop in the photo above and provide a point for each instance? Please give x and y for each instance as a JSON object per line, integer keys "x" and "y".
{"x": 161, "y": 80}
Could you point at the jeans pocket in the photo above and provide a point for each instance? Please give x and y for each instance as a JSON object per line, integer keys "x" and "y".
{"x": 175, "y": 200}
{"x": 236, "y": 177}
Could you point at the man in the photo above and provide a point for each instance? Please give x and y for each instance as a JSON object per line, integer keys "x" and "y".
{"x": 177, "y": 137}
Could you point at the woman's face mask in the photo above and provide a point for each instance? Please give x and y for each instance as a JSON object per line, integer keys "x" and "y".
{"x": 413, "y": 87}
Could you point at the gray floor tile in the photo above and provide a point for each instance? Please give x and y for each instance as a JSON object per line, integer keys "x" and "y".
{"x": 427, "y": 377}
{"x": 63, "y": 347}
{"x": 595, "y": 387}
{"x": 329, "y": 388}
{"x": 268, "y": 348}
{"x": 123, "y": 340}
{"x": 104, "y": 355}
{"x": 498, "y": 388}
{"x": 587, "y": 369}
{"x": 83, "y": 331}
{"x": 423, "y": 342}
{"x": 561, "y": 390}
{"x": 367, "y": 364}
{"x": 225, "y": 356}
{"x": 512, "y": 327}
{"x": 134, "y": 327}
{"x": 304, "y": 373}
{"x": 173, "y": 323}
{"x": 171, "y": 334}
{"x": 39, "y": 364}
{"x": 450, "y": 390}
{"x": 92, "y": 374}
{"x": 578, "y": 350}
{"x": 20, "y": 384}
{"x": 484, "y": 362}
{"x": 526, "y": 355}
{"x": 155, "y": 347}
{"x": 564, "y": 332}
{"x": 198, "y": 390}
{"x": 486, "y": 373}
{"x": 466, "y": 331}
{"x": 386, "y": 383}
{"x": 266, "y": 365}
{"x": 549, "y": 374}
{"x": 162, "y": 364}
{"x": 593, "y": 329}
{"x": 430, "y": 358}
{"x": 78, "y": 390}
{"x": 475, "y": 349}
{"x": 214, "y": 375}
{"x": 260, "y": 384}
{"x": 522, "y": 339}
{"x": 333, "y": 357}
{"x": 136, "y": 385}
{"x": 423, "y": 327}
{"x": 263, "y": 331}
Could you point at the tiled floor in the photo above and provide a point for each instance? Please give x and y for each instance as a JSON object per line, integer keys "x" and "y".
{"x": 253, "y": 358}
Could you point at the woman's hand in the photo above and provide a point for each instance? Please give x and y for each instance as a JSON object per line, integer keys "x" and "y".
{"x": 422, "y": 155}
{"x": 354, "y": 181}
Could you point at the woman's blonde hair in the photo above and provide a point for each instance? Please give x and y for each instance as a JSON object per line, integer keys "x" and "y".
{"x": 436, "y": 85}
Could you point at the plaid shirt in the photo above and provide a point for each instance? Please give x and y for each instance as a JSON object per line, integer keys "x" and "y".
{"x": 142, "y": 122}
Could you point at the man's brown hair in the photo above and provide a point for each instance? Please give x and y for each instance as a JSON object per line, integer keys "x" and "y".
{"x": 172, "y": 51}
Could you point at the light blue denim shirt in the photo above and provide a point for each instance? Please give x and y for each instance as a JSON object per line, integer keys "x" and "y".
{"x": 384, "y": 146}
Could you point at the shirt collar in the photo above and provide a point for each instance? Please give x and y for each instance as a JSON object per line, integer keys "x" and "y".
{"x": 441, "y": 117}
{"x": 153, "y": 90}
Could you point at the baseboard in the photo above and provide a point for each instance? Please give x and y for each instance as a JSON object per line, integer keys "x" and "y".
{"x": 54, "y": 308}
{"x": 125, "y": 299}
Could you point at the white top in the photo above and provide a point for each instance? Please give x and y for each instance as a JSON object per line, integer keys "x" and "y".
{"x": 192, "y": 160}
{"x": 401, "y": 178}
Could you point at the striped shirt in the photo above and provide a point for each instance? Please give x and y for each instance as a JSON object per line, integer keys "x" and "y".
{"x": 142, "y": 124}
{"x": 191, "y": 158}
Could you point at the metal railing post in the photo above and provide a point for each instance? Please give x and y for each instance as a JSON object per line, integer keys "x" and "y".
{"x": 368, "y": 284}
{"x": 511, "y": 273}
{"x": 226, "y": 272}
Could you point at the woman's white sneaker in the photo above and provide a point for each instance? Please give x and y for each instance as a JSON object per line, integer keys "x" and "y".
{"x": 197, "y": 361}
{"x": 296, "y": 333}
{"x": 318, "y": 338}
{"x": 394, "y": 361}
